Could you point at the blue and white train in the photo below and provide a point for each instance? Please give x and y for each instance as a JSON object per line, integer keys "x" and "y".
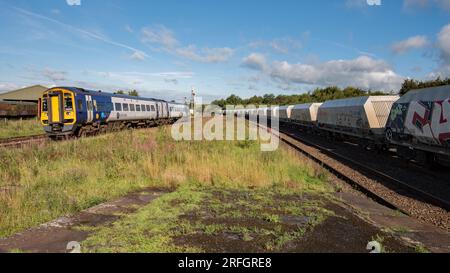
{"x": 71, "y": 111}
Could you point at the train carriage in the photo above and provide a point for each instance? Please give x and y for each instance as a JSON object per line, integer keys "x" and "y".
{"x": 71, "y": 111}
{"x": 285, "y": 113}
{"x": 11, "y": 109}
{"x": 363, "y": 118}
{"x": 419, "y": 124}
{"x": 305, "y": 114}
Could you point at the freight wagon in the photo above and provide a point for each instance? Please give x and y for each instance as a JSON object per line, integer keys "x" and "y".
{"x": 419, "y": 124}
{"x": 363, "y": 118}
{"x": 9, "y": 109}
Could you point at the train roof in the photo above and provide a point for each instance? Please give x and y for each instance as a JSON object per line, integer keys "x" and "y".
{"x": 306, "y": 105}
{"x": 357, "y": 101}
{"x": 427, "y": 94}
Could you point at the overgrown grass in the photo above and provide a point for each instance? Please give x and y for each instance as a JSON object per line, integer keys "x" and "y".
{"x": 182, "y": 221}
{"x": 41, "y": 183}
{"x": 19, "y": 128}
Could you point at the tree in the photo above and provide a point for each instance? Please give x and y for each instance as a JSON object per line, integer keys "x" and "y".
{"x": 268, "y": 99}
{"x": 133, "y": 93}
{"x": 410, "y": 84}
{"x": 317, "y": 95}
{"x": 233, "y": 100}
{"x": 120, "y": 92}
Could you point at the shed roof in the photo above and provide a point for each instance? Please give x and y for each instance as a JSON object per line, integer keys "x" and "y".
{"x": 27, "y": 94}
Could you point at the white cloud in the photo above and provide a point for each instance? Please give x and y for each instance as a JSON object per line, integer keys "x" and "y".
{"x": 142, "y": 78}
{"x": 129, "y": 29}
{"x": 174, "y": 81}
{"x": 255, "y": 61}
{"x": 443, "y": 45}
{"x": 206, "y": 55}
{"x": 356, "y": 3}
{"x": 414, "y": 4}
{"x": 7, "y": 86}
{"x": 54, "y": 75}
{"x": 364, "y": 72}
{"x": 159, "y": 35}
{"x": 164, "y": 38}
{"x": 73, "y": 2}
{"x": 280, "y": 45}
{"x": 415, "y": 42}
{"x": 138, "y": 55}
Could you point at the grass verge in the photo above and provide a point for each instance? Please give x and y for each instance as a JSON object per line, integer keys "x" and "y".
{"x": 20, "y": 128}
{"x": 41, "y": 183}
{"x": 213, "y": 219}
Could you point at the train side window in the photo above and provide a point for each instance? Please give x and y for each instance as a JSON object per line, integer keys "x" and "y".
{"x": 148, "y": 108}
{"x": 138, "y": 107}
{"x": 80, "y": 105}
{"x": 118, "y": 107}
{"x": 132, "y": 107}
{"x": 153, "y": 108}
{"x": 125, "y": 107}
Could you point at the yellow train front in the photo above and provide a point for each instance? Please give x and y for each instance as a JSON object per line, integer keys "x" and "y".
{"x": 58, "y": 113}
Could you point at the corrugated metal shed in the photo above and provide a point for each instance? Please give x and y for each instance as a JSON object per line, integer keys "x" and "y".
{"x": 27, "y": 94}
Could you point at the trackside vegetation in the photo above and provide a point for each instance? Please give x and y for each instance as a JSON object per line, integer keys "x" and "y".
{"x": 41, "y": 183}
{"x": 19, "y": 128}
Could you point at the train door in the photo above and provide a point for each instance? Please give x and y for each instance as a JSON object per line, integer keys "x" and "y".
{"x": 89, "y": 109}
{"x": 157, "y": 110}
{"x": 166, "y": 105}
{"x": 55, "y": 107}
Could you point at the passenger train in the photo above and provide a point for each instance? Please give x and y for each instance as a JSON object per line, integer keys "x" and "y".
{"x": 417, "y": 124}
{"x": 71, "y": 111}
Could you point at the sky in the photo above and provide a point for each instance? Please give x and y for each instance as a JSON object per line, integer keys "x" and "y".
{"x": 165, "y": 48}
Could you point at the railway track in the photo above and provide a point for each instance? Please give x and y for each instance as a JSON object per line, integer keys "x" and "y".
{"x": 36, "y": 139}
{"x": 22, "y": 141}
{"x": 418, "y": 192}
{"x": 375, "y": 184}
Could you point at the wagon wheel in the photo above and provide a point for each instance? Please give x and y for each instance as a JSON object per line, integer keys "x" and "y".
{"x": 82, "y": 133}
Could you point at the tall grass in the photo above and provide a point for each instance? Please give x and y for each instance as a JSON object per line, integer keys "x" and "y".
{"x": 41, "y": 183}
{"x": 19, "y": 128}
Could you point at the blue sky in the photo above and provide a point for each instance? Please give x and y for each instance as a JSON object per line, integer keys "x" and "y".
{"x": 163, "y": 48}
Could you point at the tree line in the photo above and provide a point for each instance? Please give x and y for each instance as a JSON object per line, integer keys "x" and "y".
{"x": 410, "y": 84}
{"x": 133, "y": 93}
{"x": 324, "y": 94}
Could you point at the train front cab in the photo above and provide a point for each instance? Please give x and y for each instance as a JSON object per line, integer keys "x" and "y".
{"x": 57, "y": 112}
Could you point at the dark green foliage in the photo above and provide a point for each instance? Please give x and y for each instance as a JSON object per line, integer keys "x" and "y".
{"x": 410, "y": 84}
{"x": 133, "y": 93}
{"x": 318, "y": 95}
